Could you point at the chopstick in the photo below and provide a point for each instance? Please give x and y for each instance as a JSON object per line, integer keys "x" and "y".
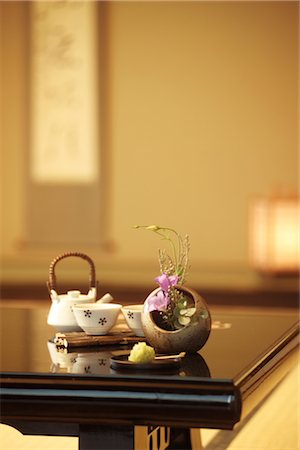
{"x": 179, "y": 355}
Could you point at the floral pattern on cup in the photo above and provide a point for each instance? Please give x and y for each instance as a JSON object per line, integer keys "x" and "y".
{"x": 102, "y": 321}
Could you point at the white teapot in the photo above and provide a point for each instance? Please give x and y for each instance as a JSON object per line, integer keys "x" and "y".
{"x": 61, "y": 315}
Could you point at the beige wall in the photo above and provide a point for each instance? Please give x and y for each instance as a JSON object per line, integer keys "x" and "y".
{"x": 200, "y": 114}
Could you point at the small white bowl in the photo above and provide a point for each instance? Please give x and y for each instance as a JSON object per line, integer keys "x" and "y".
{"x": 133, "y": 317}
{"x": 96, "y": 318}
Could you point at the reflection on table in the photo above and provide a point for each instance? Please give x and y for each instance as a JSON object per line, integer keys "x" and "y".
{"x": 88, "y": 361}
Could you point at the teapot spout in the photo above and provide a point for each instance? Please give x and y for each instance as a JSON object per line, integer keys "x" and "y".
{"x": 107, "y": 298}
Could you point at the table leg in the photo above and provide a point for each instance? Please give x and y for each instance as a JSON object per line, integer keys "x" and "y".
{"x": 93, "y": 437}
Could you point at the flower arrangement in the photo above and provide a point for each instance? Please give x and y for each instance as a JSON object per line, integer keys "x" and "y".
{"x": 171, "y": 305}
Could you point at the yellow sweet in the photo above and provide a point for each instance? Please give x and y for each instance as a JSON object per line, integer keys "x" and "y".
{"x": 141, "y": 353}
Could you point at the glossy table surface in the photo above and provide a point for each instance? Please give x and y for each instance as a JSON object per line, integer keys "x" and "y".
{"x": 245, "y": 356}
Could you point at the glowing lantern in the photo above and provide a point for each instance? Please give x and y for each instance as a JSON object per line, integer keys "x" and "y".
{"x": 274, "y": 234}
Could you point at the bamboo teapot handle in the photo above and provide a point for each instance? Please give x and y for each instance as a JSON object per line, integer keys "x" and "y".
{"x": 52, "y": 276}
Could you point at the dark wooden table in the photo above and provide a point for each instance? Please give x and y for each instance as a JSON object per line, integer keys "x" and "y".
{"x": 47, "y": 392}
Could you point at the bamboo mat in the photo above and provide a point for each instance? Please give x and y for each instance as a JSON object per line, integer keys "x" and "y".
{"x": 81, "y": 339}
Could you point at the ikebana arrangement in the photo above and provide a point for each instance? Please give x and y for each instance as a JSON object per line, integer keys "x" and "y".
{"x": 175, "y": 318}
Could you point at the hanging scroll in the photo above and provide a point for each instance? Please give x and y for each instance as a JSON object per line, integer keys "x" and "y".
{"x": 63, "y": 144}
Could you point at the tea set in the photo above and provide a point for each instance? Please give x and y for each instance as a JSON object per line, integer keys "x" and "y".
{"x": 75, "y": 311}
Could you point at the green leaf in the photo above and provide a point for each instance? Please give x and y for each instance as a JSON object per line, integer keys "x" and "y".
{"x": 190, "y": 312}
{"x": 184, "y": 320}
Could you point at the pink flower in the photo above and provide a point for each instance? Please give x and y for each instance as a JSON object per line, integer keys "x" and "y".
{"x": 158, "y": 302}
{"x": 165, "y": 281}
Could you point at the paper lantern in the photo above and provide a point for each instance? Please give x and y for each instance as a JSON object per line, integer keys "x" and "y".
{"x": 274, "y": 234}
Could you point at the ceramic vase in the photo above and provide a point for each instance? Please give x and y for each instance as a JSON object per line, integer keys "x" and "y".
{"x": 189, "y": 338}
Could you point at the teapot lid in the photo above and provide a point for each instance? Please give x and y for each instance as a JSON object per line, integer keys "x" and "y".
{"x": 74, "y": 294}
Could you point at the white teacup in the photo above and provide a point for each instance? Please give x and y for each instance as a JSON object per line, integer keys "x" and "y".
{"x": 133, "y": 317}
{"x": 96, "y": 318}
